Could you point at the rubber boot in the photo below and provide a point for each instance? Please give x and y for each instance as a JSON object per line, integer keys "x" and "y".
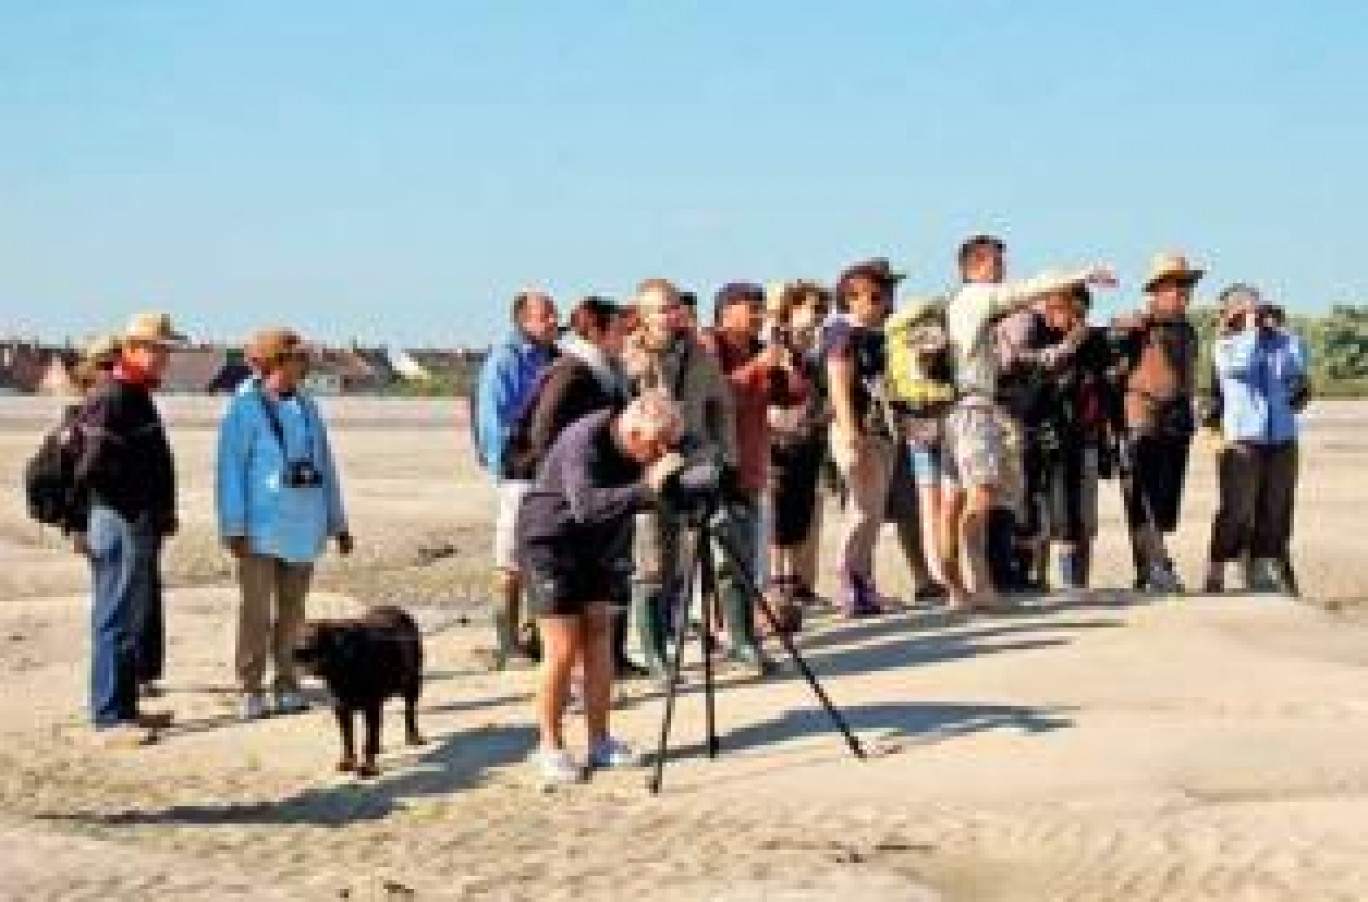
{"x": 508, "y": 600}
{"x": 648, "y": 610}
{"x": 738, "y": 614}
{"x": 623, "y": 665}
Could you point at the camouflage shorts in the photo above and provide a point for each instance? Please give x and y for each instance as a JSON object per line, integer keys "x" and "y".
{"x": 977, "y": 448}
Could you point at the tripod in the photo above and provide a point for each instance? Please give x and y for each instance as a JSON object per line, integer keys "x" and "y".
{"x": 708, "y": 526}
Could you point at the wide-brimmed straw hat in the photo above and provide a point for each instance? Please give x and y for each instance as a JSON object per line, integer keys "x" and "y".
{"x": 1171, "y": 266}
{"x": 152, "y": 328}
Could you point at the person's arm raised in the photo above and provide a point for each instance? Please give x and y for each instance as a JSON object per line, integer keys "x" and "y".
{"x": 1011, "y": 296}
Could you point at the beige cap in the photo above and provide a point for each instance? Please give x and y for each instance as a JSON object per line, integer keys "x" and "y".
{"x": 153, "y": 328}
{"x": 1171, "y": 266}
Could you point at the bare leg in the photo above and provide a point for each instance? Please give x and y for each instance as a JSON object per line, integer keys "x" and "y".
{"x": 597, "y": 653}
{"x": 561, "y": 636}
{"x": 973, "y": 536}
{"x": 950, "y": 511}
{"x": 928, "y": 509}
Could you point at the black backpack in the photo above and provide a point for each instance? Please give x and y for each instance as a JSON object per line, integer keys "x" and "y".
{"x": 50, "y": 475}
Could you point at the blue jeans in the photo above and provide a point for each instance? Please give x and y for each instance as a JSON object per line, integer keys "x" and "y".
{"x": 123, "y": 561}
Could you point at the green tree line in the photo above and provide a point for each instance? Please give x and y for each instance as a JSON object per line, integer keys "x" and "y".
{"x": 1337, "y": 341}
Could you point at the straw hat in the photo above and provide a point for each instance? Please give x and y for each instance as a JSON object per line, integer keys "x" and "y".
{"x": 1170, "y": 265}
{"x": 102, "y": 349}
{"x": 152, "y": 328}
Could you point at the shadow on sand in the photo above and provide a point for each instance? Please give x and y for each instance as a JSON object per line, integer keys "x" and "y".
{"x": 918, "y": 722}
{"x": 458, "y": 761}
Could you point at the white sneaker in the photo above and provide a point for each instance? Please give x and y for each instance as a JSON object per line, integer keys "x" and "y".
{"x": 558, "y": 768}
{"x": 254, "y": 707}
{"x": 290, "y": 703}
{"x": 610, "y": 753}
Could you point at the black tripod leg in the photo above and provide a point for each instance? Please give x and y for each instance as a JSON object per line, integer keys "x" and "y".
{"x": 708, "y": 578}
{"x": 724, "y": 540}
{"x": 689, "y": 561}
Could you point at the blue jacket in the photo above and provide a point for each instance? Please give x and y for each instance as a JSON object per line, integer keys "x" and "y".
{"x": 508, "y": 374}
{"x": 292, "y": 524}
{"x": 1259, "y": 371}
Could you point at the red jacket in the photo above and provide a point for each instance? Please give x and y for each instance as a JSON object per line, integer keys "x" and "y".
{"x": 755, "y": 388}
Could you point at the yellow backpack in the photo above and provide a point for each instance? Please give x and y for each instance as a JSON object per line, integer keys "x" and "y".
{"x": 921, "y": 374}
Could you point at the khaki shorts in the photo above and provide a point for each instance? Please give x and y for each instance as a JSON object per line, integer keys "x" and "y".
{"x": 511, "y": 492}
{"x": 976, "y": 447}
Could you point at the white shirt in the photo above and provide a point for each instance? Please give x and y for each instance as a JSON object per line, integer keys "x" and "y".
{"x": 970, "y": 317}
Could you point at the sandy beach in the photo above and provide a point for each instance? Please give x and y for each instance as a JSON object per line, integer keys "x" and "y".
{"x": 1099, "y": 747}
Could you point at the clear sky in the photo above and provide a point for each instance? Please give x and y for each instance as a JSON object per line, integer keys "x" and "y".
{"x": 398, "y": 170}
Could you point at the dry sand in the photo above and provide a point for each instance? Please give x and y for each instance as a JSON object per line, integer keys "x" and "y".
{"x": 1091, "y": 749}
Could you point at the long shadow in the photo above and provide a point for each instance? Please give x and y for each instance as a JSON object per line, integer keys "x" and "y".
{"x": 458, "y": 762}
{"x": 920, "y": 721}
{"x": 915, "y": 652}
{"x": 901, "y": 651}
{"x": 320, "y": 703}
{"x": 932, "y": 624}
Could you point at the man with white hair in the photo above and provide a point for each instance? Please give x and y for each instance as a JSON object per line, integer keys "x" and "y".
{"x": 574, "y": 536}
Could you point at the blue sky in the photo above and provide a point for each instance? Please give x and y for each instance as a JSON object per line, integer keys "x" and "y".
{"x": 397, "y": 170}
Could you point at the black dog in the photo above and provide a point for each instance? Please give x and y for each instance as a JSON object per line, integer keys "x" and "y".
{"x": 364, "y": 662}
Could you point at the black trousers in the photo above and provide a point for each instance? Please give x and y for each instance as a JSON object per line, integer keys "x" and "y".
{"x": 1258, "y": 488}
{"x": 1160, "y": 464}
{"x": 794, "y": 470}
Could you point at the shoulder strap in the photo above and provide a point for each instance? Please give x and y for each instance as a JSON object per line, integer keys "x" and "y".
{"x": 272, "y": 419}
{"x": 278, "y": 430}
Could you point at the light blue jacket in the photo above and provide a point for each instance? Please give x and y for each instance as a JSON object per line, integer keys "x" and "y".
{"x": 1259, "y": 369}
{"x": 292, "y": 524}
{"x": 506, "y": 379}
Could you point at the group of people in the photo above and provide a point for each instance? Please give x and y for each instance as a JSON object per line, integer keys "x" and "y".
{"x": 279, "y": 501}
{"x": 979, "y": 422}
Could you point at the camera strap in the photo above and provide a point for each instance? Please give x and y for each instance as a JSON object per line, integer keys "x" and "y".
{"x": 278, "y": 430}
